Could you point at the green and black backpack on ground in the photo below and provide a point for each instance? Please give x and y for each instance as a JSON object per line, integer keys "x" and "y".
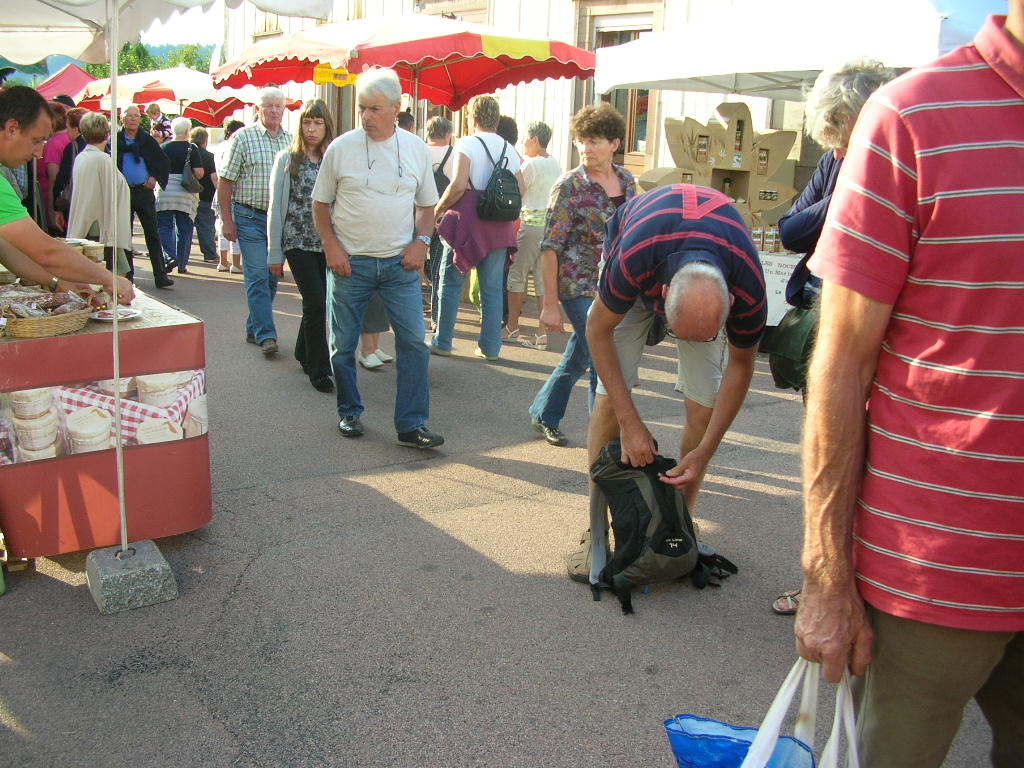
{"x": 655, "y": 537}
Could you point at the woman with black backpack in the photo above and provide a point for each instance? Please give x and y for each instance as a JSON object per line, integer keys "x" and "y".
{"x": 477, "y": 215}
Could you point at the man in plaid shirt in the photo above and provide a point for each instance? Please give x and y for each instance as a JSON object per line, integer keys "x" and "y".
{"x": 243, "y": 193}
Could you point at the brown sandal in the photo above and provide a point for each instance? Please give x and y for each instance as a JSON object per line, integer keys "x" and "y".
{"x": 787, "y": 603}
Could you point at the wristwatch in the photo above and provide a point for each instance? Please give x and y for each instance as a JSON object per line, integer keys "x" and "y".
{"x": 425, "y": 239}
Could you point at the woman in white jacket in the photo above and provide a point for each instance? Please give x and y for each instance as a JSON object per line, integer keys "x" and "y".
{"x": 90, "y": 214}
{"x": 291, "y": 235}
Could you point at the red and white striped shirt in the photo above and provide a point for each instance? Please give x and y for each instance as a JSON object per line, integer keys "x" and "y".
{"x": 928, "y": 216}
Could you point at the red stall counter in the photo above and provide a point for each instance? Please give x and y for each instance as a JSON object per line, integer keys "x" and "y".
{"x": 58, "y": 476}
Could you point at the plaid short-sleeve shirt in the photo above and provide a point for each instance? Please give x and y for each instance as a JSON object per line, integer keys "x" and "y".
{"x": 249, "y": 162}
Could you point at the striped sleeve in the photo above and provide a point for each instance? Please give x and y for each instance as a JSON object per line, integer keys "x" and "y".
{"x": 870, "y": 232}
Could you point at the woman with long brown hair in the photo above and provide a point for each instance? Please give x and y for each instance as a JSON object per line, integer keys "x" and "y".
{"x": 291, "y": 235}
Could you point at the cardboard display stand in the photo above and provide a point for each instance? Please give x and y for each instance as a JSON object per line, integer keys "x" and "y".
{"x": 50, "y": 506}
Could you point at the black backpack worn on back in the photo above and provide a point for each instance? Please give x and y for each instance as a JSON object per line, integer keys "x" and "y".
{"x": 440, "y": 179}
{"x": 655, "y": 538}
{"x": 500, "y": 200}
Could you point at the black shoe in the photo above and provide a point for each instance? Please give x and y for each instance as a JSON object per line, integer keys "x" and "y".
{"x": 250, "y": 339}
{"x": 164, "y": 283}
{"x": 350, "y": 426}
{"x": 322, "y": 384}
{"x": 183, "y": 271}
{"x": 170, "y": 264}
{"x": 553, "y": 435}
{"x": 210, "y": 261}
{"x": 420, "y": 438}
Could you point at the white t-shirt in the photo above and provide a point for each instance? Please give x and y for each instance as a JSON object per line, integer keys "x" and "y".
{"x": 479, "y": 166}
{"x": 374, "y": 187}
{"x": 540, "y": 175}
{"x": 437, "y": 155}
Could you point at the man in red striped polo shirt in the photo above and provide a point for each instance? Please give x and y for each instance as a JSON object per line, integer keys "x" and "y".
{"x": 684, "y": 253}
{"x": 914, "y": 542}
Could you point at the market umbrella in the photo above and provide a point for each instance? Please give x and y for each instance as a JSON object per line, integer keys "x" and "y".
{"x": 177, "y": 86}
{"x": 777, "y": 50}
{"x": 214, "y": 112}
{"x": 70, "y": 79}
{"x": 444, "y": 61}
{"x": 34, "y": 29}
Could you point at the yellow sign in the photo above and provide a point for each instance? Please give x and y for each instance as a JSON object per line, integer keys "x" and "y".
{"x": 324, "y": 74}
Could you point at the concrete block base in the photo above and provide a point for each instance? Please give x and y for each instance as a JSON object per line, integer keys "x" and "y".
{"x": 133, "y": 581}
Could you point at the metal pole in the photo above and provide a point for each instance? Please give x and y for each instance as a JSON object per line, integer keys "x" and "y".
{"x": 113, "y": 13}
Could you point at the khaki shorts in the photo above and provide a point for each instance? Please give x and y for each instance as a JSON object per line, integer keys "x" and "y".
{"x": 527, "y": 260}
{"x": 700, "y": 363}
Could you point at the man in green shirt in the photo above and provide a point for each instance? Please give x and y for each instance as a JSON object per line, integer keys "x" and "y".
{"x": 26, "y": 250}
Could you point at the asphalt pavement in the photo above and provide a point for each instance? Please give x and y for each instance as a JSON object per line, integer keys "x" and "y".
{"x": 358, "y": 603}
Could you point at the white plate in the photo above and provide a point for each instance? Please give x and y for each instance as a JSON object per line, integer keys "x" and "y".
{"x": 124, "y": 313}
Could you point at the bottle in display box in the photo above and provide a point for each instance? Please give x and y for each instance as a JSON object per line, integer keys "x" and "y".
{"x": 703, "y": 148}
{"x": 762, "y": 162}
{"x": 771, "y": 234}
{"x": 738, "y": 145}
{"x": 757, "y": 233}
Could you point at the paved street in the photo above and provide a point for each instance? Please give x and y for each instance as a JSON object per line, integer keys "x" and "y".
{"x": 357, "y": 603}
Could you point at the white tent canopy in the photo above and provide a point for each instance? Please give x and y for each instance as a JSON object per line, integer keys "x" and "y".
{"x": 34, "y": 29}
{"x": 774, "y": 48}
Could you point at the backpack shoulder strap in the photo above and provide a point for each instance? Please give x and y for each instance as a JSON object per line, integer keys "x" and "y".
{"x": 444, "y": 159}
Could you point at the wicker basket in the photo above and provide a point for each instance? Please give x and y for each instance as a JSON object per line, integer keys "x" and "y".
{"x": 51, "y": 325}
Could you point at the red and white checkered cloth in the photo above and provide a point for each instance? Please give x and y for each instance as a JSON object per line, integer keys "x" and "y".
{"x": 133, "y": 413}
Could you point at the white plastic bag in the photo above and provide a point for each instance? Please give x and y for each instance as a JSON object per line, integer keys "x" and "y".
{"x": 843, "y": 721}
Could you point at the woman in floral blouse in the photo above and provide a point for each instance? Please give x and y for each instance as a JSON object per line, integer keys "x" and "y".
{"x": 581, "y": 202}
{"x": 292, "y": 236}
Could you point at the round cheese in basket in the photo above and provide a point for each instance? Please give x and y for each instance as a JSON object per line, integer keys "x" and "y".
{"x": 29, "y": 403}
{"x": 47, "y": 452}
{"x": 158, "y": 431}
{"x": 159, "y": 389}
{"x": 38, "y": 432}
{"x": 89, "y": 429}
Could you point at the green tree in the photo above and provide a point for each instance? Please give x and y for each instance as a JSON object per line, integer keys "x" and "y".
{"x": 133, "y": 57}
{"x": 190, "y": 55}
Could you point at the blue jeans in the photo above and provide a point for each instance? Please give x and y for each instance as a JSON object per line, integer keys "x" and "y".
{"x": 260, "y": 285}
{"x": 175, "y": 228}
{"x": 550, "y": 404}
{"x": 347, "y": 300}
{"x": 205, "y": 232}
{"x": 491, "y": 272}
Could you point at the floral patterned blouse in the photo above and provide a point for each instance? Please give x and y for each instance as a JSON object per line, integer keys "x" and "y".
{"x": 299, "y": 231}
{"x": 577, "y": 211}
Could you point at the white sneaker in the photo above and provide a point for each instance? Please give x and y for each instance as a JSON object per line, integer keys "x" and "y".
{"x": 383, "y": 356}
{"x": 234, "y": 270}
{"x": 370, "y": 362}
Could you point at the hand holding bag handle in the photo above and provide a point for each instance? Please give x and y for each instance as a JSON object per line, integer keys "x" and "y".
{"x": 764, "y": 743}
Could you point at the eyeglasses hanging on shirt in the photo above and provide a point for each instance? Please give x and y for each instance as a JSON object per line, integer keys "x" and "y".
{"x": 380, "y": 176}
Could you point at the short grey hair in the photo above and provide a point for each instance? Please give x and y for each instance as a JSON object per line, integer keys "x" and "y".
{"x": 539, "y": 130}
{"x": 381, "y": 82}
{"x": 180, "y": 126}
{"x": 438, "y": 127}
{"x": 835, "y": 101}
{"x": 695, "y": 275}
{"x": 270, "y": 93}
{"x": 94, "y": 127}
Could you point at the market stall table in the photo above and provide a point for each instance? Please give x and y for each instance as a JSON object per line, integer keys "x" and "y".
{"x": 58, "y": 481}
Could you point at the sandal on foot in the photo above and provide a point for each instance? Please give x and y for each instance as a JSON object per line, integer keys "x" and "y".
{"x": 540, "y": 341}
{"x": 787, "y": 603}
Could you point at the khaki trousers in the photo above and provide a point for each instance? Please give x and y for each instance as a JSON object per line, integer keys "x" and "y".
{"x": 911, "y": 701}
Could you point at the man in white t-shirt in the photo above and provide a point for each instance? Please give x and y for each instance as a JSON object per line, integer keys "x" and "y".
{"x": 540, "y": 172}
{"x": 373, "y": 208}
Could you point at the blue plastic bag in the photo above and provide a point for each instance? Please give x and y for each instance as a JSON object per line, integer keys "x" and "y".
{"x": 698, "y": 742}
